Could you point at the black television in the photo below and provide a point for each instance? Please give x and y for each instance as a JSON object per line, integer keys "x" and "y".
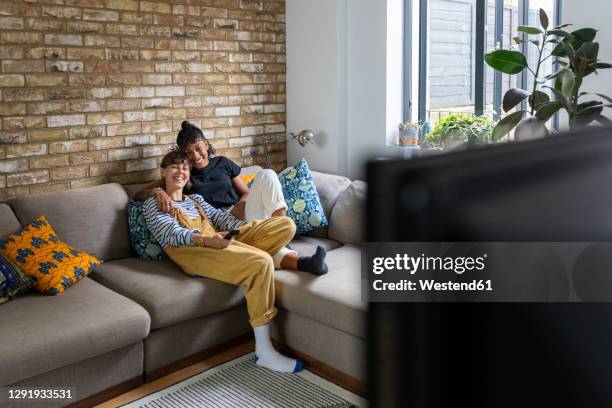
{"x": 430, "y": 355}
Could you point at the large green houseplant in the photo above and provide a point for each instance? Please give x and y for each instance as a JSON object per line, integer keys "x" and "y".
{"x": 576, "y": 54}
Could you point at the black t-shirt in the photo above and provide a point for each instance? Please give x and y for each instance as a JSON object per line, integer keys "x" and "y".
{"x": 214, "y": 182}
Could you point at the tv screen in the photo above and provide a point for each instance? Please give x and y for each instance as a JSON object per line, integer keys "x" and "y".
{"x": 556, "y": 189}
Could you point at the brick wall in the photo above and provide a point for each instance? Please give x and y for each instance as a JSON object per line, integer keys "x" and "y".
{"x": 94, "y": 91}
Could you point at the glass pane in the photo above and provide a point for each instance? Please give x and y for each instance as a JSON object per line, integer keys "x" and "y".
{"x": 450, "y": 74}
{"x": 510, "y": 18}
{"x": 546, "y": 68}
{"x": 511, "y": 23}
{"x": 490, "y": 45}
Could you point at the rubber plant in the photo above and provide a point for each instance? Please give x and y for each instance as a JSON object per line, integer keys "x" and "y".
{"x": 576, "y": 54}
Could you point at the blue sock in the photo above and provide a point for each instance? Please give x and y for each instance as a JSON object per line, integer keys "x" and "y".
{"x": 314, "y": 264}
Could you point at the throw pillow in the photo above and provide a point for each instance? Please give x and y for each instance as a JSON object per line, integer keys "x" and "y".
{"x": 304, "y": 205}
{"x": 54, "y": 265}
{"x": 13, "y": 280}
{"x": 143, "y": 242}
{"x": 347, "y": 217}
{"x": 248, "y": 179}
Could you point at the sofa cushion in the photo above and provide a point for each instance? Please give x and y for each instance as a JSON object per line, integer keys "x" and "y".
{"x": 303, "y": 203}
{"x": 92, "y": 219}
{"x": 347, "y": 220}
{"x": 333, "y": 299}
{"x": 169, "y": 295}
{"x": 54, "y": 265}
{"x": 13, "y": 281}
{"x": 329, "y": 187}
{"x": 132, "y": 189}
{"x": 41, "y": 333}
{"x": 143, "y": 242}
{"x": 9, "y": 223}
{"x": 305, "y": 245}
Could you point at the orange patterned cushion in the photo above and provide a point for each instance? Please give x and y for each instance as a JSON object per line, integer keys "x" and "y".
{"x": 39, "y": 253}
{"x": 248, "y": 178}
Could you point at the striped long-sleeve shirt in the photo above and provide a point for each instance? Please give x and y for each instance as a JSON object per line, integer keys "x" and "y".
{"x": 167, "y": 230}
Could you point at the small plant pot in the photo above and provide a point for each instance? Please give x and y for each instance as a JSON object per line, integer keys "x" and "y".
{"x": 408, "y": 137}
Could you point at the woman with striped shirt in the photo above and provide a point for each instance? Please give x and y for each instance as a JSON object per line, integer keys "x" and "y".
{"x": 193, "y": 235}
{"x": 216, "y": 178}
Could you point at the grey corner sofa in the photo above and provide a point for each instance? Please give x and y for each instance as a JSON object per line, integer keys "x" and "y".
{"x": 132, "y": 321}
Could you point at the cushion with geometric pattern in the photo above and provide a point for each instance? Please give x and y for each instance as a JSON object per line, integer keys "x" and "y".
{"x": 143, "y": 242}
{"x": 54, "y": 265}
{"x": 13, "y": 280}
{"x": 303, "y": 202}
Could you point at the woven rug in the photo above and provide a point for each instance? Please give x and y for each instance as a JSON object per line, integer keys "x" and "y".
{"x": 241, "y": 383}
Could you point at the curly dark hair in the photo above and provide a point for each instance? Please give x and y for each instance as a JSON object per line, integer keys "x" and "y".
{"x": 175, "y": 156}
{"x": 190, "y": 134}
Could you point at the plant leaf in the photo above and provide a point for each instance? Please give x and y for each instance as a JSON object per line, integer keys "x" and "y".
{"x": 506, "y": 125}
{"x": 565, "y": 82}
{"x": 518, "y": 40}
{"x": 513, "y": 97}
{"x": 551, "y": 76}
{"x": 537, "y": 99}
{"x": 602, "y": 96}
{"x": 585, "y": 34}
{"x": 579, "y": 37}
{"x": 603, "y": 120}
{"x": 548, "y": 109}
{"x": 508, "y": 62}
{"x": 588, "y": 104}
{"x": 529, "y": 30}
{"x": 601, "y": 65}
{"x": 543, "y": 19}
{"x": 561, "y": 98}
{"x": 561, "y": 33}
{"x": 561, "y": 26}
{"x": 588, "y": 115}
{"x": 588, "y": 50}
{"x": 535, "y": 42}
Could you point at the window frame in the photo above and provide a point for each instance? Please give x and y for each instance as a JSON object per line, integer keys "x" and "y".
{"x": 479, "y": 52}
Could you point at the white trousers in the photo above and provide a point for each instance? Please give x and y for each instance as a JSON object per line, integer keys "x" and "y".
{"x": 265, "y": 197}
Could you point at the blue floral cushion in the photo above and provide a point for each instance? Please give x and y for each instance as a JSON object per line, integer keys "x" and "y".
{"x": 13, "y": 280}
{"x": 304, "y": 205}
{"x": 143, "y": 242}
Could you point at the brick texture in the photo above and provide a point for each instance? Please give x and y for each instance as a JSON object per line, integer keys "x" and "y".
{"x": 94, "y": 91}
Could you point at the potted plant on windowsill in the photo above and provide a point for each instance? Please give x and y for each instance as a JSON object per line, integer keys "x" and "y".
{"x": 460, "y": 128}
{"x": 577, "y": 55}
{"x": 409, "y": 133}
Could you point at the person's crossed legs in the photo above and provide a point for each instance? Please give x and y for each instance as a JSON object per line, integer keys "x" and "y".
{"x": 247, "y": 262}
{"x": 266, "y": 200}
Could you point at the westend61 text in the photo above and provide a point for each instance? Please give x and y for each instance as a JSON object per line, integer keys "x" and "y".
{"x": 431, "y": 285}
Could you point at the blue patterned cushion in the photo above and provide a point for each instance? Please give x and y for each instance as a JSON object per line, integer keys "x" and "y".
{"x": 304, "y": 205}
{"x": 143, "y": 242}
{"x": 13, "y": 280}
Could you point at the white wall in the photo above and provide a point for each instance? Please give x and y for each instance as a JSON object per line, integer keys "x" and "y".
{"x": 337, "y": 81}
{"x": 314, "y": 88}
{"x": 367, "y": 83}
{"x": 595, "y": 14}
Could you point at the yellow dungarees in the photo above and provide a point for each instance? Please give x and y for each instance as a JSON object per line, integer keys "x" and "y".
{"x": 246, "y": 261}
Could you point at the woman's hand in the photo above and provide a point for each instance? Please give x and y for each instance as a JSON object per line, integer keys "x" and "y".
{"x": 238, "y": 210}
{"x": 164, "y": 202}
{"x": 217, "y": 241}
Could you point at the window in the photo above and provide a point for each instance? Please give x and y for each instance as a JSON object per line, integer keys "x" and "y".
{"x": 452, "y": 38}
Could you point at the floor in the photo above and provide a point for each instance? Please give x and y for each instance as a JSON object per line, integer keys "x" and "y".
{"x": 179, "y": 376}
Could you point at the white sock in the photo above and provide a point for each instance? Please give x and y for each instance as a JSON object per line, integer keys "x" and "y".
{"x": 267, "y": 356}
